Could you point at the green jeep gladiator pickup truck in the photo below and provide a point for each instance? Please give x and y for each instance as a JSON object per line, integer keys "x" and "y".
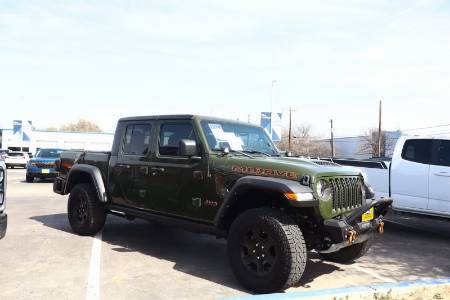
{"x": 226, "y": 178}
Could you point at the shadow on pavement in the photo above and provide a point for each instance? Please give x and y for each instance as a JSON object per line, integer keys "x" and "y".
{"x": 199, "y": 255}
{"x": 56, "y": 221}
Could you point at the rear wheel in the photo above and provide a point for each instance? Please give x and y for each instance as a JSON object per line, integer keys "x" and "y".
{"x": 29, "y": 179}
{"x": 86, "y": 213}
{"x": 267, "y": 251}
{"x": 347, "y": 254}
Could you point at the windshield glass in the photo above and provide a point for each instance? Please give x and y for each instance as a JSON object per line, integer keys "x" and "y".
{"x": 49, "y": 153}
{"x": 15, "y": 154}
{"x": 238, "y": 137}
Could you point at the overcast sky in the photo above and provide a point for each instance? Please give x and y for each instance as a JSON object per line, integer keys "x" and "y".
{"x": 62, "y": 60}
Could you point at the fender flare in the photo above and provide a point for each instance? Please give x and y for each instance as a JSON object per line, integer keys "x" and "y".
{"x": 269, "y": 184}
{"x": 96, "y": 177}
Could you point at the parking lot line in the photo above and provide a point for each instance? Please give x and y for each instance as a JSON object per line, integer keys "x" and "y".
{"x": 374, "y": 274}
{"x": 93, "y": 286}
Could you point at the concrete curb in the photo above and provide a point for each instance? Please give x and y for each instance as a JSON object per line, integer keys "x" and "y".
{"x": 437, "y": 289}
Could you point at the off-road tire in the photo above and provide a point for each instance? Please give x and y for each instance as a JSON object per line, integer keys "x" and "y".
{"x": 29, "y": 179}
{"x": 347, "y": 254}
{"x": 86, "y": 213}
{"x": 288, "y": 247}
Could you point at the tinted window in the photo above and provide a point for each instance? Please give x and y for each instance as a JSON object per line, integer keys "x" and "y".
{"x": 417, "y": 151}
{"x": 443, "y": 153}
{"x": 171, "y": 135}
{"x": 49, "y": 153}
{"x": 137, "y": 139}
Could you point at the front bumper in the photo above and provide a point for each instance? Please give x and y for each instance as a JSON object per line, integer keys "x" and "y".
{"x": 16, "y": 164}
{"x": 41, "y": 172}
{"x": 3, "y": 224}
{"x": 352, "y": 230}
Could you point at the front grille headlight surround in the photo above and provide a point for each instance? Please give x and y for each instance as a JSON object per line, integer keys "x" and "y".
{"x": 324, "y": 190}
{"x": 2, "y": 176}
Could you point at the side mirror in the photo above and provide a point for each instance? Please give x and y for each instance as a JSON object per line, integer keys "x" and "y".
{"x": 188, "y": 148}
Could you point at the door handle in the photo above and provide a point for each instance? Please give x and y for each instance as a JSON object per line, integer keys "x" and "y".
{"x": 443, "y": 174}
{"x": 157, "y": 169}
{"x": 124, "y": 166}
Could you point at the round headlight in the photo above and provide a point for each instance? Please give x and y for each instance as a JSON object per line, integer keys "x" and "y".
{"x": 324, "y": 190}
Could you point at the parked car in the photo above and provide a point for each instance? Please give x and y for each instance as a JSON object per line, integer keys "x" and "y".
{"x": 228, "y": 179}
{"x": 417, "y": 178}
{"x": 3, "y": 153}
{"x": 43, "y": 164}
{"x": 3, "y": 216}
{"x": 16, "y": 159}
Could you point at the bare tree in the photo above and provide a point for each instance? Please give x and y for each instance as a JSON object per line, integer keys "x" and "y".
{"x": 370, "y": 144}
{"x": 82, "y": 125}
{"x": 303, "y": 143}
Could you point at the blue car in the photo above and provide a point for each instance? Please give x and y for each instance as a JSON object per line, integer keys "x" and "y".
{"x": 43, "y": 164}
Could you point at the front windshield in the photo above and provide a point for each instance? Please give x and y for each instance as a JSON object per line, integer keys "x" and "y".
{"x": 49, "y": 153}
{"x": 238, "y": 137}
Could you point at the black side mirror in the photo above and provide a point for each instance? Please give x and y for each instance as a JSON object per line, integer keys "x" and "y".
{"x": 188, "y": 148}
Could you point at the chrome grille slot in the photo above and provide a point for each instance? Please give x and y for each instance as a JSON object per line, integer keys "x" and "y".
{"x": 347, "y": 194}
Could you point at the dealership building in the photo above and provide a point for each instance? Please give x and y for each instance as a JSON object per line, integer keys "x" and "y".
{"x": 33, "y": 140}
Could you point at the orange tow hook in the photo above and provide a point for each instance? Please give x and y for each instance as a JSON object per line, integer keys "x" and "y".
{"x": 351, "y": 236}
{"x": 381, "y": 227}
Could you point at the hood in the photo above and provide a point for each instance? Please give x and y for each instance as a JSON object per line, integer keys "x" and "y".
{"x": 283, "y": 167}
{"x": 43, "y": 159}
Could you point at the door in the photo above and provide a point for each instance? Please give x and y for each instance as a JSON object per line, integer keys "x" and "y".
{"x": 130, "y": 170}
{"x": 440, "y": 178}
{"x": 409, "y": 175}
{"x": 177, "y": 183}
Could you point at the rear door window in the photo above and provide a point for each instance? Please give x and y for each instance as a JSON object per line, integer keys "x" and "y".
{"x": 418, "y": 150}
{"x": 137, "y": 139}
{"x": 443, "y": 153}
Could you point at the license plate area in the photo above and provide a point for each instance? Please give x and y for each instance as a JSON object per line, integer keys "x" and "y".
{"x": 45, "y": 171}
{"x": 368, "y": 215}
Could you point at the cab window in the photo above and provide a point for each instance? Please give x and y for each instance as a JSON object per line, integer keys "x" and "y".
{"x": 443, "y": 153}
{"x": 137, "y": 139}
{"x": 171, "y": 135}
{"x": 418, "y": 150}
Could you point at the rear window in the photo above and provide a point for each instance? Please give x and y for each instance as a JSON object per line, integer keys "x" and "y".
{"x": 49, "y": 153}
{"x": 418, "y": 151}
{"x": 15, "y": 154}
{"x": 443, "y": 153}
{"x": 137, "y": 139}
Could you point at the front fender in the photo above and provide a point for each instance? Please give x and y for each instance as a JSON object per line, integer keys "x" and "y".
{"x": 268, "y": 184}
{"x": 95, "y": 175}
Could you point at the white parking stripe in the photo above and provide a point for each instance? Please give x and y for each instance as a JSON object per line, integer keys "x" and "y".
{"x": 93, "y": 286}
{"x": 373, "y": 274}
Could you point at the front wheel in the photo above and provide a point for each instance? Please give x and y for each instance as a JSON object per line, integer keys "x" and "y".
{"x": 86, "y": 213}
{"x": 267, "y": 250}
{"x": 29, "y": 179}
{"x": 347, "y": 254}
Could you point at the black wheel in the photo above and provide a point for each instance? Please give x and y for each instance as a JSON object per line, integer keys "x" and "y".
{"x": 86, "y": 213}
{"x": 267, "y": 251}
{"x": 347, "y": 254}
{"x": 29, "y": 179}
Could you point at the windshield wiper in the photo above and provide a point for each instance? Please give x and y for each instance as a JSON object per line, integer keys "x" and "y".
{"x": 228, "y": 151}
{"x": 257, "y": 152}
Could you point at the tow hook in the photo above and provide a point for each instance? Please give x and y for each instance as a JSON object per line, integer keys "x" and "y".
{"x": 351, "y": 236}
{"x": 381, "y": 227}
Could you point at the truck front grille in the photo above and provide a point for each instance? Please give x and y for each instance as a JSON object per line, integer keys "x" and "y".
{"x": 347, "y": 193}
{"x": 45, "y": 165}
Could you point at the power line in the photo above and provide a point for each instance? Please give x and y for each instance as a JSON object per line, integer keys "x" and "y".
{"x": 429, "y": 127}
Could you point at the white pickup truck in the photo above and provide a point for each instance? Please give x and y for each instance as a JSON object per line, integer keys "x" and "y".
{"x": 417, "y": 178}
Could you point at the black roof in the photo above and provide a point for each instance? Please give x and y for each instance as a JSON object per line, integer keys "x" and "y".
{"x": 160, "y": 117}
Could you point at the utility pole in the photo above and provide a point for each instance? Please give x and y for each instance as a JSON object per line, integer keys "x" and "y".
{"x": 379, "y": 131}
{"x": 290, "y": 128}
{"x": 332, "y": 139}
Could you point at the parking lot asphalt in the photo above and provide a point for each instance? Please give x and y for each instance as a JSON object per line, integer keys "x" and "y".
{"x": 41, "y": 258}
